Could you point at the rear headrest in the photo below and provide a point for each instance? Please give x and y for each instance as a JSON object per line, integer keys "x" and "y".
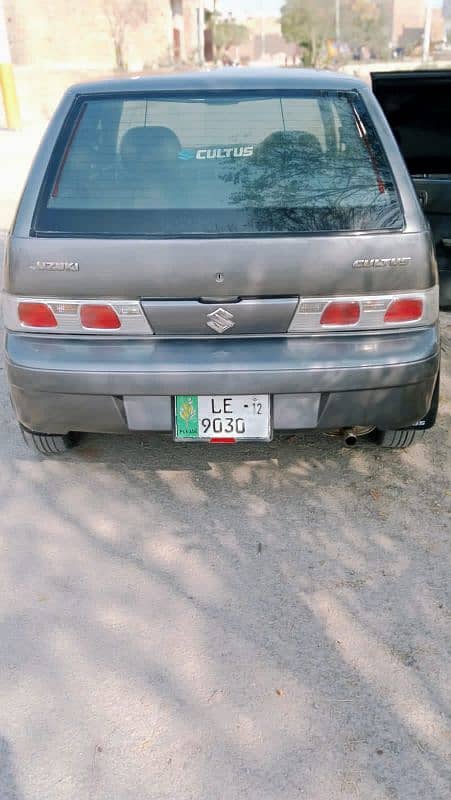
{"x": 153, "y": 143}
{"x": 285, "y": 145}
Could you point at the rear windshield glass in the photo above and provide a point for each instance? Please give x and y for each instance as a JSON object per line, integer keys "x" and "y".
{"x": 221, "y": 164}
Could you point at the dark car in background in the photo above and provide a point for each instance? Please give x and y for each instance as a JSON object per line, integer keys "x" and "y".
{"x": 418, "y": 108}
{"x": 220, "y": 256}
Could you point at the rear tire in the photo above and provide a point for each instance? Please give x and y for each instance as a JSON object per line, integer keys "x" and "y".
{"x": 47, "y": 444}
{"x": 399, "y": 440}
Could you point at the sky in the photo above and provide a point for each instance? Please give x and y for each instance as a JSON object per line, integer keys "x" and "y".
{"x": 250, "y": 8}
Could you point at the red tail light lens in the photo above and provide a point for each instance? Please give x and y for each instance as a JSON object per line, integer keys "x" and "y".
{"x": 99, "y": 317}
{"x": 36, "y": 315}
{"x": 341, "y": 313}
{"x": 405, "y": 309}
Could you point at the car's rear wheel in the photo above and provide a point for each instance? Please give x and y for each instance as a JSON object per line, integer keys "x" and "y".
{"x": 398, "y": 440}
{"x": 47, "y": 444}
{"x": 405, "y": 437}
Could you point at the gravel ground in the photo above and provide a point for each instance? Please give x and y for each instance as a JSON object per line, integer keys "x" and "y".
{"x": 190, "y": 623}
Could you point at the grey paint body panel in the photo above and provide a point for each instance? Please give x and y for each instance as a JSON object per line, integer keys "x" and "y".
{"x": 59, "y": 385}
{"x": 249, "y": 316}
{"x": 306, "y": 265}
{"x": 290, "y": 411}
{"x": 285, "y": 365}
{"x": 387, "y": 408}
{"x": 152, "y": 413}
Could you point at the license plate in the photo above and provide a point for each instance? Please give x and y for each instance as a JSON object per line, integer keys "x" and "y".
{"x": 213, "y": 417}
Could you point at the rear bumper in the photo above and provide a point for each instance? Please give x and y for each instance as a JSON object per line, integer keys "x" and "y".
{"x": 60, "y": 384}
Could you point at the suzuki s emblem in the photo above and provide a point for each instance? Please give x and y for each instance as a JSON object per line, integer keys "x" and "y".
{"x": 220, "y": 320}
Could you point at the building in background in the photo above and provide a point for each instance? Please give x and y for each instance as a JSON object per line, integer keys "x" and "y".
{"x": 447, "y": 15}
{"x": 408, "y": 18}
{"x": 77, "y": 34}
{"x": 401, "y": 26}
{"x": 184, "y": 14}
{"x": 265, "y": 43}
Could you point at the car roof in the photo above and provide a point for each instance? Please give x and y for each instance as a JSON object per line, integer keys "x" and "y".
{"x": 227, "y": 79}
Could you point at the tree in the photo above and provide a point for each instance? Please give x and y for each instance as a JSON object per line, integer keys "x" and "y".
{"x": 308, "y": 23}
{"x": 121, "y": 15}
{"x": 365, "y": 22}
{"x": 228, "y": 33}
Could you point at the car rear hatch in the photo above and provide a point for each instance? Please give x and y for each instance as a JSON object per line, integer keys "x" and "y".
{"x": 220, "y": 213}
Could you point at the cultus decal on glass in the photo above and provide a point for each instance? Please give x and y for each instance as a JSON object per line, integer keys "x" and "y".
{"x": 207, "y": 153}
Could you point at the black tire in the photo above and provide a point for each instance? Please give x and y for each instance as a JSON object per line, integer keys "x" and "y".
{"x": 47, "y": 444}
{"x": 399, "y": 440}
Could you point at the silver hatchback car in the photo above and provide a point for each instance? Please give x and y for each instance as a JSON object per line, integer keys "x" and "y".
{"x": 221, "y": 256}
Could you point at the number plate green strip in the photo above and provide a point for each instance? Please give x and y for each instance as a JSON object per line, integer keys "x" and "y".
{"x": 186, "y": 416}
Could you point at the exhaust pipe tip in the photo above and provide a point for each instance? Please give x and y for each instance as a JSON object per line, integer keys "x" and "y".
{"x": 349, "y": 438}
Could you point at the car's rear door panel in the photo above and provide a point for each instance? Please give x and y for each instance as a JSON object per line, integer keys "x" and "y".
{"x": 417, "y": 107}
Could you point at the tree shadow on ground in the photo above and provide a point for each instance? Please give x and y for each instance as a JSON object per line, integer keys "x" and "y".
{"x": 8, "y": 786}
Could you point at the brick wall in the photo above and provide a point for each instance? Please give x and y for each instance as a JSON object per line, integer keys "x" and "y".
{"x": 411, "y": 14}
{"x": 75, "y": 33}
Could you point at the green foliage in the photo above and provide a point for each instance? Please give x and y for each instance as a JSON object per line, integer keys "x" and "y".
{"x": 308, "y": 23}
{"x": 363, "y": 23}
{"x": 228, "y": 33}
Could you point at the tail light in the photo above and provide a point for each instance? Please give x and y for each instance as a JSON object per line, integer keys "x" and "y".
{"x": 365, "y": 312}
{"x": 339, "y": 313}
{"x": 36, "y": 315}
{"x": 99, "y": 317}
{"x": 124, "y": 317}
{"x": 405, "y": 309}
{"x": 313, "y": 315}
